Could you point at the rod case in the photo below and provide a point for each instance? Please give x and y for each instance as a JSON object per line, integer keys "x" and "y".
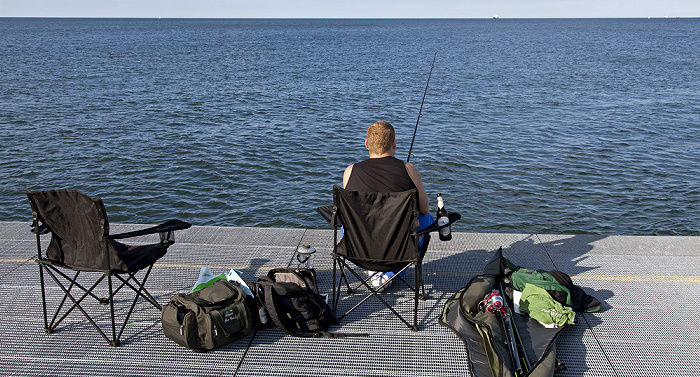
{"x": 484, "y": 337}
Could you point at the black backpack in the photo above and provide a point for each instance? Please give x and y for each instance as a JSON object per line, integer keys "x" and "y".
{"x": 208, "y": 318}
{"x": 292, "y": 302}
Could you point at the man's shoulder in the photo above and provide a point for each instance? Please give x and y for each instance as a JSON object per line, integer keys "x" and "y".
{"x": 412, "y": 172}
{"x": 410, "y": 166}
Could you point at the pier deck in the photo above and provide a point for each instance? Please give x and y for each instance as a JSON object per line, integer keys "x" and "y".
{"x": 647, "y": 325}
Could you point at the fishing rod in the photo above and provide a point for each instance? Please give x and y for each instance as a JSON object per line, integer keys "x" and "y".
{"x": 495, "y": 303}
{"x": 525, "y": 359}
{"x": 421, "y": 108}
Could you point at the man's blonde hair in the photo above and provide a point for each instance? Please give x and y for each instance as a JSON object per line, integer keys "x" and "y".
{"x": 380, "y": 136}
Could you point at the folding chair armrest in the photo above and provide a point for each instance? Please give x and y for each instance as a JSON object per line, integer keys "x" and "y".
{"x": 326, "y": 213}
{"x": 168, "y": 226}
{"x": 452, "y": 216}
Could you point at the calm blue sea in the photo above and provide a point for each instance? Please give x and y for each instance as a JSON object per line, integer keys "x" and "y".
{"x": 529, "y": 125}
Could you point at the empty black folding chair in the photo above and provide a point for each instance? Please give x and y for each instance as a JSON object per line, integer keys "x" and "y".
{"x": 379, "y": 234}
{"x": 80, "y": 242}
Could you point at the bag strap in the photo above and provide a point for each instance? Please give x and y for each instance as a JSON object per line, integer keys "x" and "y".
{"x": 267, "y": 283}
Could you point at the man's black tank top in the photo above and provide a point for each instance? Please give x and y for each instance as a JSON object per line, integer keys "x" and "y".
{"x": 385, "y": 174}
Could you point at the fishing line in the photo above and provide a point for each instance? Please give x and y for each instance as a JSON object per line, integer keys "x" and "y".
{"x": 420, "y": 111}
{"x": 294, "y": 254}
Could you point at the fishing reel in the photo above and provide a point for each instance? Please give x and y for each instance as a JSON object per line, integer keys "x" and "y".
{"x": 493, "y": 303}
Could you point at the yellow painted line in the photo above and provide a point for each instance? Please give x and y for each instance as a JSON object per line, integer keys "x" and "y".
{"x": 197, "y": 265}
{"x": 639, "y": 278}
{"x": 158, "y": 264}
{"x": 596, "y": 277}
{"x": 15, "y": 260}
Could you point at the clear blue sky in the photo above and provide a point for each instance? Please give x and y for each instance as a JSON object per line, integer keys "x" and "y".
{"x": 350, "y": 8}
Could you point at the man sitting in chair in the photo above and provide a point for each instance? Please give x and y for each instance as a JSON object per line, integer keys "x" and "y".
{"x": 382, "y": 172}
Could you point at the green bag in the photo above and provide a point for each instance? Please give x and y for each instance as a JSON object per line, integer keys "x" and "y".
{"x": 208, "y": 318}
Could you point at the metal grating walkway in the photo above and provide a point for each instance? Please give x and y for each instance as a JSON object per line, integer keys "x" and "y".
{"x": 647, "y": 327}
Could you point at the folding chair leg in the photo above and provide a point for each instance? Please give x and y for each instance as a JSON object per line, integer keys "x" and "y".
{"x": 419, "y": 277}
{"x": 43, "y": 300}
{"x": 338, "y": 277}
{"x": 139, "y": 293}
{"x": 76, "y": 303}
{"x": 67, "y": 294}
{"x": 54, "y": 322}
{"x": 115, "y": 341}
{"x": 336, "y": 290}
{"x": 415, "y": 299}
{"x": 62, "y": 307}
{"x": 344, "y": 277}
{"x": 339, "y": 266}
{"x": 375, "y": 293}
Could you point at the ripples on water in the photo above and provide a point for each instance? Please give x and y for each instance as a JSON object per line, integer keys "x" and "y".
{"x": 542, "y": 126}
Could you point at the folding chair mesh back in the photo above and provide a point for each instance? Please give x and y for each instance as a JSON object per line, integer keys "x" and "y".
{"x": 80, "y": 241}
{"x": 377, "y": 228}
{"x": 379, "y": 234}
{"x": 78, "y": 225}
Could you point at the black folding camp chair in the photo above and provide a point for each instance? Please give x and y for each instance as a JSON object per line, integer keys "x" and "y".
{"x": 379, "y": 234}
{"x": 80, "y": 241}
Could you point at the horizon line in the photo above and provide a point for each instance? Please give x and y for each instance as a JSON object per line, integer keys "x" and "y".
{"x": 495, "y": 17}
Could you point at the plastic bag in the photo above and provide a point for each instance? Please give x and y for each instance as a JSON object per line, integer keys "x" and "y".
{"x": 207, "y": 278}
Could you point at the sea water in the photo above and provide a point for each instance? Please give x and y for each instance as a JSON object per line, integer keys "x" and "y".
{"x": 528, "y": 125}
